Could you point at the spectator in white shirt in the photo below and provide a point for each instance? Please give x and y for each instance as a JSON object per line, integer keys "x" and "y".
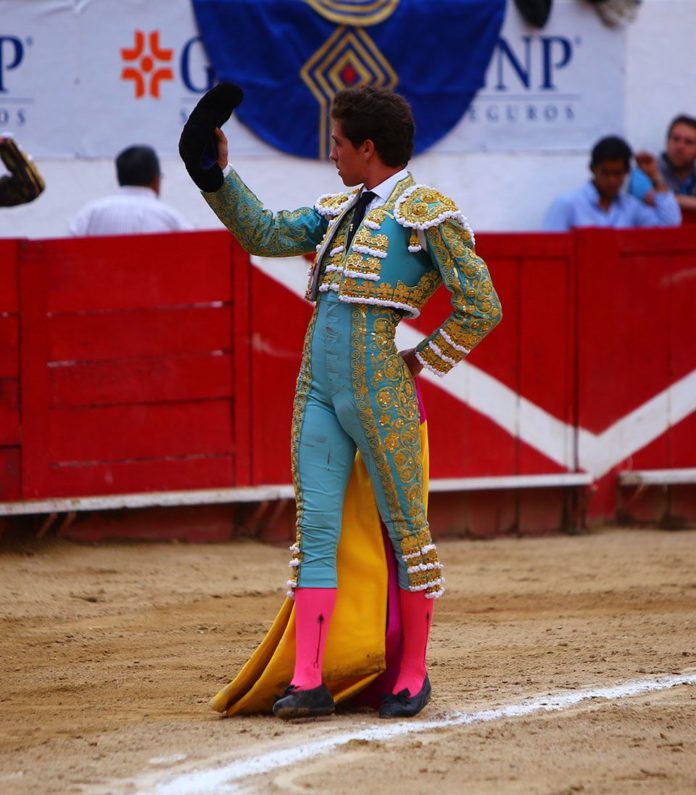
{"x": 136, "y": 208}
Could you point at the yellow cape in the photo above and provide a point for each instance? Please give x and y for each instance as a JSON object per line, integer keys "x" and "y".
{"x": 355, "y": 648}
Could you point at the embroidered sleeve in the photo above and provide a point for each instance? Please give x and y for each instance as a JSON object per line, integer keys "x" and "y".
{"x": 475, "y": 305}
{"x": 261, "y": 231}
{"x": 24, "y": 182}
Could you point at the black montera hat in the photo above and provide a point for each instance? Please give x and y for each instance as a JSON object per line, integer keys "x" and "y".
{"x": 198, "y": 144}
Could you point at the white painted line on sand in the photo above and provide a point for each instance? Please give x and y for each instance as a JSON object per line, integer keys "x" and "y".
{"x": 222, "y": 778}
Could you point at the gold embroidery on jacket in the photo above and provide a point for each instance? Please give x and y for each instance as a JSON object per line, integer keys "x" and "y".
{"x": 261, "y": 231}
{"x": 425, "y": 205}
{"x": 397, "y": 407}
{"x": 304, "y": 384}
{"x": 476, "y": 306}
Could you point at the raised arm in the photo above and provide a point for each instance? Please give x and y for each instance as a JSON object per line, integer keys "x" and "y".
{"x": 665, "y": 210}
{"x": 261, "y": 231}
{"x": 203, "y": 148}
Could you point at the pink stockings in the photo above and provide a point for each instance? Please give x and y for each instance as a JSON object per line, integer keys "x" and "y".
{"x": 313, "y": 610}
{"x": 416, "y": 618}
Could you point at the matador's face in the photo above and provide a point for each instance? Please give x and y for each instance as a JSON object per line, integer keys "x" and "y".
{"x": 350, "y": 160}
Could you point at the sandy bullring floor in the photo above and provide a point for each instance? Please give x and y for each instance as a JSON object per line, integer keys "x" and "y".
{"x": 109, "y": 655}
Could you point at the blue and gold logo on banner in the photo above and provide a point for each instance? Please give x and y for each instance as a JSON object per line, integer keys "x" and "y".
{"x": 292, "y": 57}
{"x": 348, "y": 58}
{"x": 354, "y": 12}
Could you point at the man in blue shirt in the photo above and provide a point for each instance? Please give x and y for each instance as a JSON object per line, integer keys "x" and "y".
{"x": 600, "y": 202}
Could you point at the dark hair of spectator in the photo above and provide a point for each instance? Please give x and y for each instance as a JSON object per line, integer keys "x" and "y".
{"x": 137, "y": 165}
{"x": 682, "y": 119}
{"x": 380, "y": 115}
{"x": 611, "y": 148}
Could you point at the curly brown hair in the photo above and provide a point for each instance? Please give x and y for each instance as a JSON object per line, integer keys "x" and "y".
{"x": 380, "y": 115}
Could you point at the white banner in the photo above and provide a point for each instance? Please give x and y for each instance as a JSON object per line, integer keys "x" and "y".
{"x": 87, "y": 78}
{"x": 558, "y": 88}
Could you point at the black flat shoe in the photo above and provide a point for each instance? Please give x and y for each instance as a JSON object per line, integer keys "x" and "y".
{"x": 402, "y": 705}
{"x": 296, "y": 703}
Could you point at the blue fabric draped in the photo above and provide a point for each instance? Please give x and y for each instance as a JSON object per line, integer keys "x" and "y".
{"x": 292, "y": 56}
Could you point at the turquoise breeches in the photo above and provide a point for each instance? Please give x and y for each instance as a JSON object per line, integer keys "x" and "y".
{"x": 355, "y": 392}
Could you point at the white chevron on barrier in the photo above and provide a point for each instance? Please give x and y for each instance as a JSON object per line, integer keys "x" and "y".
{"x": 597, "y": 453}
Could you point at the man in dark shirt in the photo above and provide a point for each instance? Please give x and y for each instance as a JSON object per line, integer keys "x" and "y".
{"x": 677, "y": 166}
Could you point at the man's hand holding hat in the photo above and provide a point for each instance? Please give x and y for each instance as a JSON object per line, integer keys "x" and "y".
{"x": 198, "y": 145}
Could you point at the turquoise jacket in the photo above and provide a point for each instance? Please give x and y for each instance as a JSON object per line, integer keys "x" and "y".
{"x": 385, "y": 264}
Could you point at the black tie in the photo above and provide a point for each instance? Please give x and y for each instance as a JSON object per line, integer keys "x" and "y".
{"x": 358, "y": 213}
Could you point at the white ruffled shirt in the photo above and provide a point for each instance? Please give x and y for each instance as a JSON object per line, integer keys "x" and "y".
{"x": 384, "y": 190}
{"x": 132, "y": 211}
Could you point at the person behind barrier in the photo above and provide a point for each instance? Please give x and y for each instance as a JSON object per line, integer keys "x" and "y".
{"x": 136, "y": 208}
{"x": 600, "y": 202}
{"x": 677, "y": 166}
{"x": 24, "y": 182}
{"x": 383, "y": 246}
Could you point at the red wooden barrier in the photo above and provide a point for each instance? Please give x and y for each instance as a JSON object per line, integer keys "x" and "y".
{"x": 167, "y": 362}
{"x": 533, "y": 276}
{"x": 9, "y": 372}
{"x": 278, "y": 319}
{"x": 636, "y": 308}
{"x": 127, "y": 365}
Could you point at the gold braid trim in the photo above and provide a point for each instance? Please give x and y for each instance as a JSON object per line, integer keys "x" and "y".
{"x": 395, "y": 394}
{"x": 331, "y": 205}
{"x": 304, "y": 383}
{"x": 476, "y": 305}
{"x": 364, "y": 237}
{"x": 421, "y": 207}
{"x": 429, "y": 358}
{"x": 399, "y": 296}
